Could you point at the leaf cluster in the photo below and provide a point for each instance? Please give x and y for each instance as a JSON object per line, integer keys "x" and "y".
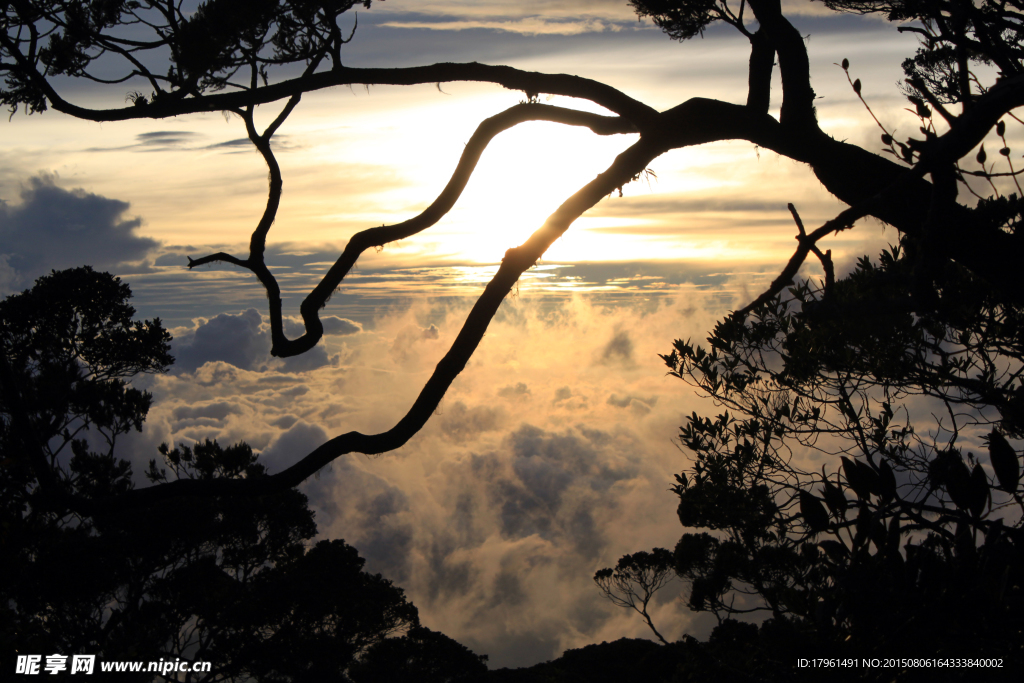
{"x": 900, "y": 519}
{"x": 226, "y": 581}
{"x": 221, "y": 44}
{"x": 685, "y": 19}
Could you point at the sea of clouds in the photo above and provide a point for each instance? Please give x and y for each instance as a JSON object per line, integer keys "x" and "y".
{"x": 549, "y": 458}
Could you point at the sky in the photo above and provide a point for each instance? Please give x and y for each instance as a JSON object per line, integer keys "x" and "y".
{"x": 552, "y": 454}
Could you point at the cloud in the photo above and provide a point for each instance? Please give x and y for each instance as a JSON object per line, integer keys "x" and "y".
{"x": 535, "y": 17}
{"x": 241, "y": 340}
{"x": 496, "y": 515}
{"x": 618, "y": 350}
{"x": 549, "y": 17}
{"x": 54, "y": 228}
{"x": 530, "y": 26}
{"x": 162, "y": 140}
{"x": 340, "y": 326}
{"x": 519, "y": 391}
{"x": 460, "y": 423}
{"x": 299, "y": 440}
{"x": 234, "y": 339}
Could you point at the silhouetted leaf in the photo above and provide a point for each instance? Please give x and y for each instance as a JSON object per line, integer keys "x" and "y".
{"x": 836, "y": 551}
{"x": 862, "y": 479}
{"x": 1004, "y": 461}
{"x": 813, "y": 512}
{"x": 886, "y": 481}
{"x": 978, "y": 488}
{"x": 957, "y": 482}
{"x": 835, "y": 499}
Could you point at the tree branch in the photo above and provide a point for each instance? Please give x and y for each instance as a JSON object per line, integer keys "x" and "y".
{"x": 380, "y": 236}
{"x": 513, "y": 79}
{"x": 627, "y": 165}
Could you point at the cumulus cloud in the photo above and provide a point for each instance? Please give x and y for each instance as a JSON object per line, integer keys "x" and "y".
{"x": 299, "y": 440}
{"x": 234, "y": 339}
{"x": 340, "y": 326}
{"x": 243, "y": 341}
{"x": 537, "y": 470}
{"x": 54, "y": 228}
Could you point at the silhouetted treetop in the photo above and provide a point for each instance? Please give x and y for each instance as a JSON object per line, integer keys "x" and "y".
{"x": 206, "y": 48}
{"x": 683, "y": 20}
{"x": 219, "y": 580}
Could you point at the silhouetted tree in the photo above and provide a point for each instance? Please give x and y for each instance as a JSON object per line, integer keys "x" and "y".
{"x": 223, "y": 57}
{"x": 906, "y": 536}
{"x": 901, "y": 381}
{"x": 420, "y": 655}
{"x": 635, "y": 580}
{"x": 229, "y": 582}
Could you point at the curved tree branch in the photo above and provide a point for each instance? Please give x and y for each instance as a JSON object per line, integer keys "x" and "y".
{"x": 511, "y": 78}
{"x": 869, "y": 184}
{"x": 517, "y": 260}
{"x": 380, "y": 236}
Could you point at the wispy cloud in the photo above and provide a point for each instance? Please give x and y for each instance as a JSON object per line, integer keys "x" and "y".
{"x": 529, "y": 26}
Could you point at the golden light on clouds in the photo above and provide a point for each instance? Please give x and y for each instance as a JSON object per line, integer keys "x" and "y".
{"x": 565, "y": 387}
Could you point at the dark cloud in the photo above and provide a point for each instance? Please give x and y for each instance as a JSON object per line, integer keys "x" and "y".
{"x": 234, "y": 339}
{"x": 183, "y": 140}
{"x": 313, "y": 359}
{"x": 53, "y": 228}
{"x": 556, "y": 480}
{"x": 217, "y": 411}
{"x": 448, "y": 576}
{"x": 243, "y": 341}
{"x": 340, "y": 326}
{"x": 207, "y": 415}
{"x": 372, "y": 511}
{"x": 508, "y": 588}
{"x": 284, "y": 422}
{"x": 281, "y": 143}
{"x": 638, "y": 405}
{"x": 299, "y": 441}
{"x": 333, "y": 325}
{"x": 238, "y": 143}
{"x": 618, "y": 351}
{"x": 460, "y": 423}
{"x": 668, "y": 206}
{"x": 520, "y": 390}
{"x": 162, "y": 140}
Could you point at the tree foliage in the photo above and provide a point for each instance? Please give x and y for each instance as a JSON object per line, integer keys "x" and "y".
{"x": 861, "y": 487}
{"x": 208, "y": 48}
{"x": 904, "y": 536}
{"x": 225, "y": 581}
{"x": 634, "y": 581}
{"x": 68, "y": 348}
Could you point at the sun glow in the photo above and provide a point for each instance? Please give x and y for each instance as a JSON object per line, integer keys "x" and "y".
{"x": 524, "y": 175}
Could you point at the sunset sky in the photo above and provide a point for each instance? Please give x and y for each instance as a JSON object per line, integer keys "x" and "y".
{"x": 552, "y": 454}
